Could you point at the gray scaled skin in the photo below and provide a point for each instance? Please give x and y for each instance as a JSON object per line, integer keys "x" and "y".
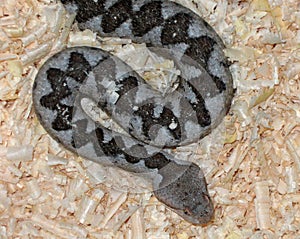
{"x": 71, "y": 86}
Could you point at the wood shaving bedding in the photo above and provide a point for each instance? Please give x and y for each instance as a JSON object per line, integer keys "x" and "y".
{"x": 253, "y": 170}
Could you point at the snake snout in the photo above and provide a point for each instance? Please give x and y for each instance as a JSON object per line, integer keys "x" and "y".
{"x": 204, "y": 212}
{"x": 186, "y": 194}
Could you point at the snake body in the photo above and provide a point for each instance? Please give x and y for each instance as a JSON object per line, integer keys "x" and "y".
{"x": 81, "y": 78}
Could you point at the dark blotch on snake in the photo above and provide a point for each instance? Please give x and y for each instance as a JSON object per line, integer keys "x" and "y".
{"x": 149, "y": 16}
{"x": 147, "y": 113}
{"x": 116, "y": 15}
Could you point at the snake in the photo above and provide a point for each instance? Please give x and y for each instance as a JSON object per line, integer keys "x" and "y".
{"x": 75, "y": 85}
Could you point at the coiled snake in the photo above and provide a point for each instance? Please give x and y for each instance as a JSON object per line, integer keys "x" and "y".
{"x": 70, "y": 80}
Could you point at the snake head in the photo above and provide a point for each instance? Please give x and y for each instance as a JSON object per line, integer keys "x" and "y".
{"x": 183, "y": 189}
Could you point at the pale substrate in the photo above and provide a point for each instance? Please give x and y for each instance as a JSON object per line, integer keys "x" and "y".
{"x": 252, "y": 161}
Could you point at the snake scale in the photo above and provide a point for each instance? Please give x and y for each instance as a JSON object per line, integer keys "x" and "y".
{"x": 80, "y": 79}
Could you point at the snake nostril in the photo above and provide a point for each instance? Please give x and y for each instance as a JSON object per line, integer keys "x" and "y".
{"x": 187, "y": 211}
